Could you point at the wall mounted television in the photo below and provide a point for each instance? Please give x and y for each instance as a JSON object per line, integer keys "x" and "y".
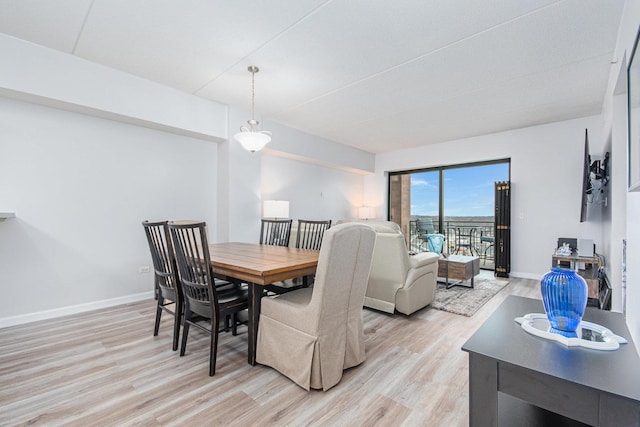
{"x": 586, "y": 180}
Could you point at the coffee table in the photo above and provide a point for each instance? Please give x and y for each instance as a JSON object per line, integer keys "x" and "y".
{"x": 459, "y": 268}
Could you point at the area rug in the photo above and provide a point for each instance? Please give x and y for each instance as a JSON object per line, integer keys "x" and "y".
{"x": 466, "y": 301}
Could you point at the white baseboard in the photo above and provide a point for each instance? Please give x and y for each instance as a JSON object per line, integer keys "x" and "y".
{"x": 526, "y": 275}
{"x": 65, "y": 311}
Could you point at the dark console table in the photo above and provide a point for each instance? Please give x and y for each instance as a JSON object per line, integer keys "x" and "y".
{"x": 518, "y": 379}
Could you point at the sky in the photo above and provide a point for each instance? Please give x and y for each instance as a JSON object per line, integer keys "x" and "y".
{"x": 468, "y": 191}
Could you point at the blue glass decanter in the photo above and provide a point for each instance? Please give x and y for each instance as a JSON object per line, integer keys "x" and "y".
{"x": 564, "y": 294}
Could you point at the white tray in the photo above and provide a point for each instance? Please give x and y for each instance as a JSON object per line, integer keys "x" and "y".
{"x": 589, "y": 335}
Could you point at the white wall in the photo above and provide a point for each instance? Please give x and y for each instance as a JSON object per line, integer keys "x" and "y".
{"x": 314, "y": 192}
{"x": 615, "y": 211}
{"x": 239, "y": 174}
{"x": 626, "y": 36}
{"x": 546, "y": 179}
{"x": 80, "y": 187}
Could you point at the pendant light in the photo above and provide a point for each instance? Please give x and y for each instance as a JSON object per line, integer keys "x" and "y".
{"x": 251, "y": 138}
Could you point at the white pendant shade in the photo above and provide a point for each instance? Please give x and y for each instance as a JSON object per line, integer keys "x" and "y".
{"x": 251, "y": 138}
{"x": 253, "y": 141}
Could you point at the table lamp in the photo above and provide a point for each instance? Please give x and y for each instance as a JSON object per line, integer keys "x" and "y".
{"x": 275, "y": 209}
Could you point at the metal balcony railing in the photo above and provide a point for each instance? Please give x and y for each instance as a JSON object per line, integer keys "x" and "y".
{"x": 462, "y": 237}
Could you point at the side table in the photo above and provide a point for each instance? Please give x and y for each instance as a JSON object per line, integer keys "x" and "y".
{"x": 590, "y": 271}
{"x": 459, "y": 268}
{"x": 518, "y": 379}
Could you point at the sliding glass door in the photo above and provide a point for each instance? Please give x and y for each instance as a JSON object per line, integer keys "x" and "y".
{"x": 455, "y": 202}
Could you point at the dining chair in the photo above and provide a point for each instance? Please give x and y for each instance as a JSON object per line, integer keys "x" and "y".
{"x": 309, "y": 236}
{"x": 310, "y": 233}
{"x": 275, "y": 232}
{"x": 203, "y": 299}
{"x": 167, "y": 284}
{"x": 312, "y": 334}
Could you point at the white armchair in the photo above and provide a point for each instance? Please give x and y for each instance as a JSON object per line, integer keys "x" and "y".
{"x": 399, "y": 281}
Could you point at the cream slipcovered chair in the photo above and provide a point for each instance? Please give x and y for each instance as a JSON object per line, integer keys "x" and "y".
{"x": 312, "y": 334}
{"x": 399, "y": 281}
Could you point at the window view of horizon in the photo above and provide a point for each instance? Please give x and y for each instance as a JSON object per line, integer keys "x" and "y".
{"x": 468, "y": 191}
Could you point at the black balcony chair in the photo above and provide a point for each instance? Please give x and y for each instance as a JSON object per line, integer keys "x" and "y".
{"x": 167, "y": 284}
{"x": 487, "y": 242}
{"x": 275, "y": 232}
{"x": 426, "y": 232}
{"x": 205, "y": 303}
{"x": 425, "y": 227}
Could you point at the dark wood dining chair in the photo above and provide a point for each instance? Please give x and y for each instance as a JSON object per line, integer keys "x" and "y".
{"x": 205, "y": 303}
{"x": 310, "y": 233}
{"x": 275, "y": 232}
{"x": 167, "y": 285}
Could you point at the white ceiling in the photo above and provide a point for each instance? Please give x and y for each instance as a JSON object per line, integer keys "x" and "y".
{"x": 378, "y": 75}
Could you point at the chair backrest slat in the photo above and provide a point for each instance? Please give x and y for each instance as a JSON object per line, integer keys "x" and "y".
{"x": 194, "y": 262}
{"x": 275, "y": 232}
{"x": 311, "y": 233}
{"x": 161, "y": 253}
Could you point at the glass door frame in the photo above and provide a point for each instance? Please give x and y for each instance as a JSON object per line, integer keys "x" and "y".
{"x": 397, "y": 175}
{"x": 441, "y": 170}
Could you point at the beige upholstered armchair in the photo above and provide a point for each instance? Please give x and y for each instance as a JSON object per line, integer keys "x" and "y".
{"x": 399, "y": 281}
{"x": 312, "y": 334}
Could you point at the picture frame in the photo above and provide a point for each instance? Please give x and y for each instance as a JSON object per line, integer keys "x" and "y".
{"x": 633, "y": 108}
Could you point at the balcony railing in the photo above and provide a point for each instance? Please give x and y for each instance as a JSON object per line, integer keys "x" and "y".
{"x": 462, "y": 237}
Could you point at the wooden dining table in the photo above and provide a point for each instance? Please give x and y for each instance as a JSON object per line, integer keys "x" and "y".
{"x": 260, "y": 265}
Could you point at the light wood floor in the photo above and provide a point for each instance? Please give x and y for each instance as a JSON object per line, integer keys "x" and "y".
{"x": 106, "y": 368}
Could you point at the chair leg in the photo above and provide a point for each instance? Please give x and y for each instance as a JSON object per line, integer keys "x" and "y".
{"x": 234, "y": 326}
{"x": 176, "y": 324}
{"x": 213, "y": 348}
{"x": 227, "y": 323}
{"x": 185, "y": 330}
{"x": 158, "y": 315}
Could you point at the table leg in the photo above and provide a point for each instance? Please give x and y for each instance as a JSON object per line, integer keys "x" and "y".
{"x": 255, "y": 297}
{"x": 483, "y": 391}
{"x": 446, "y": 273}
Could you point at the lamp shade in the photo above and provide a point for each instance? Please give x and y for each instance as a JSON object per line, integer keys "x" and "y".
{"x": 253, "y": 141}
{"x": 275, "y": 209}
{"x": 366, "y": 212}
